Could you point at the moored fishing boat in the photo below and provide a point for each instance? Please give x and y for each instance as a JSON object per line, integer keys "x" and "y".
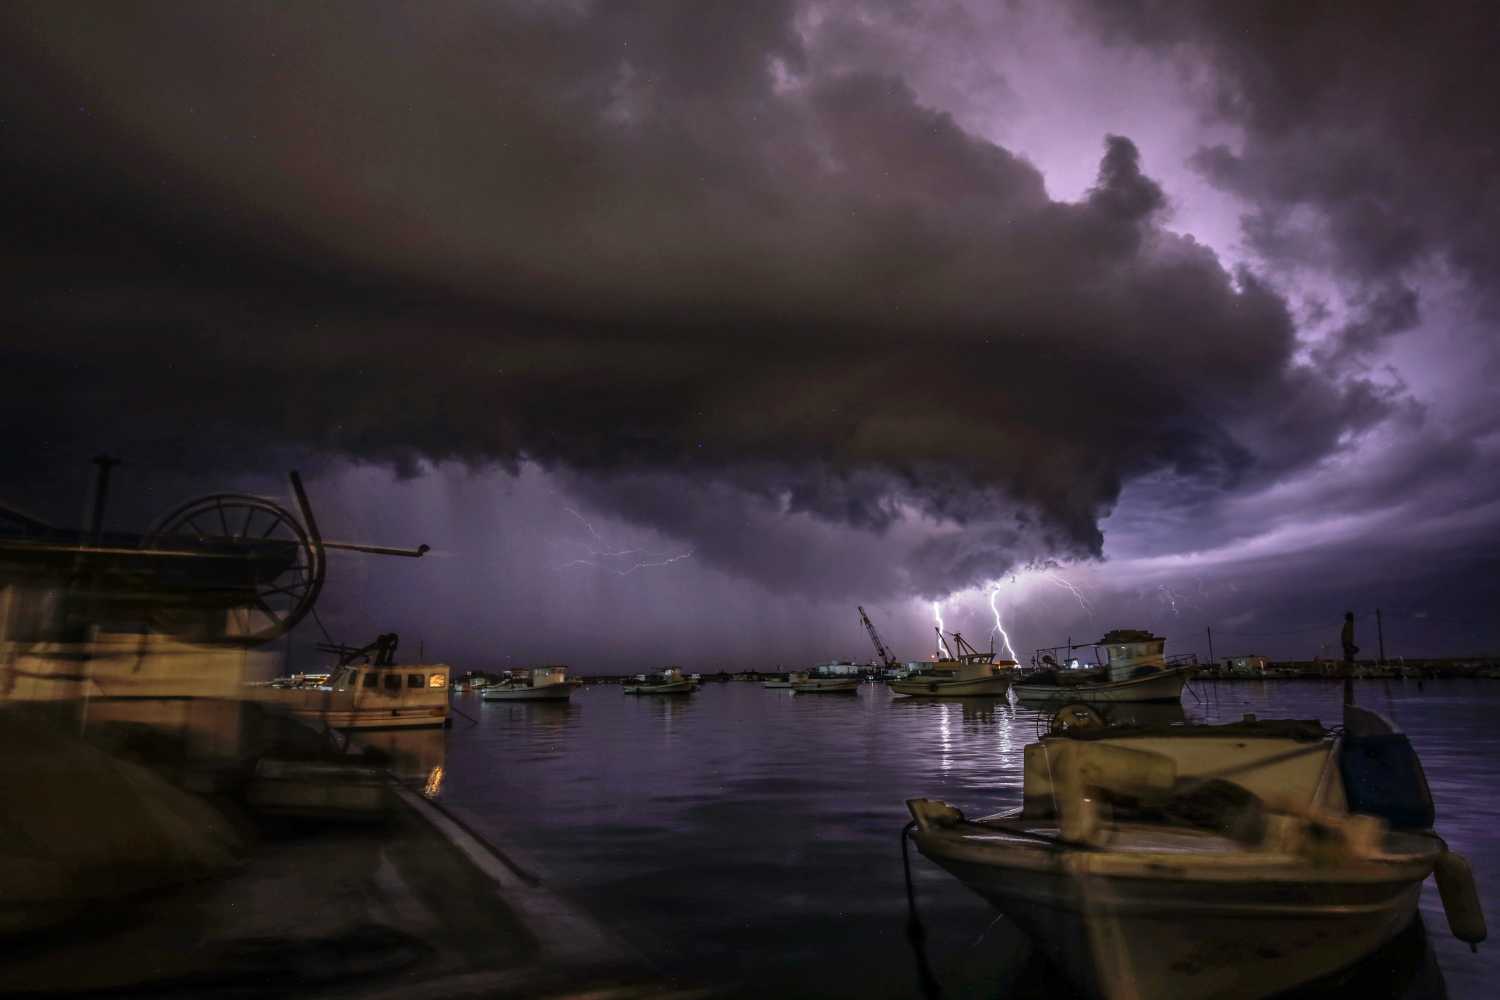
{"x": 789, "y": 681}
{"x": 367, "y": 690}
{"x": 669, "y": 681}
{"x": 536, "y": 684}
{"x": 821, "y": 682}
{"x": 1135, "y": 668}
{"x": 968, "y": 673}
{"x": 1232, "y": 861}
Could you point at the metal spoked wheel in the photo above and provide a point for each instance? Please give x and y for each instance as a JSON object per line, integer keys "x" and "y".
{"x": 267, "y": 573}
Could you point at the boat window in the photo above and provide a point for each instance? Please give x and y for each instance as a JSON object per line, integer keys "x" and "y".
{"x": 351, "y": 680}
{"x": 435, "y": 681}
{"x": 372, "y": 679}
{"x": 415, "y": 681}
{"x": 393, "y": 682}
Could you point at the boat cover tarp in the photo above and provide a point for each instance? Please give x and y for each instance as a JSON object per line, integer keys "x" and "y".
{"x": 1275, "y": 729}
{"x": 1383, "y": 777}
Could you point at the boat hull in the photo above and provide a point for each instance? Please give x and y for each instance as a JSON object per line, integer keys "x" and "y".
{"x": 545, "y": 692}
{"x": 413, "y": 717}
{"x": 839, "y": 685}
{"x": 1164, "y": 685}
{"x": 1190, "y": 934}
{"x": 988, "y": 687}
{"x": 677, "y": 687}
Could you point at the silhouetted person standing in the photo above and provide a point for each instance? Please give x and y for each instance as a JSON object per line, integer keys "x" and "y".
{"x": 1346, "y": 638}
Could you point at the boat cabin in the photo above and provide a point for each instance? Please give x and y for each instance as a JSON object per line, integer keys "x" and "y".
{"x": 1127, "y": 650}
{"x": 540, "y": 676}
{"x": 371, "y": 695}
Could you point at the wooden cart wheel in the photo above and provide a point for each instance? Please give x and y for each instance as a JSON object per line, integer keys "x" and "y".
{"x": 277, "y": 568}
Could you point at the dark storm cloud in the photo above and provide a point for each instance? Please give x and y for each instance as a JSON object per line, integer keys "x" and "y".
{"x": 657, "y": 247}
{"x": 1379, "y": 117}
{"x": 1367, "y": 157}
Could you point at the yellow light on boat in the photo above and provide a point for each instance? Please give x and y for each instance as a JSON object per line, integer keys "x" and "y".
{"x": 434, "y": 782}
{"x": 435, "y": 681}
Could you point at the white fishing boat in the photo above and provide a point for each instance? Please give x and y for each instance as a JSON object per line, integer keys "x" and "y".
{"x": 1231, "y": 861}
{"x": 536, "y": 684}
{"x": 669, "y": 681}
{"x": 818, "y": 682}
{"x": 367, "y": 690}
{"x": 968, "y": 673}
{"x": 1134, "y": 668}
{"x": 789, "y": 681}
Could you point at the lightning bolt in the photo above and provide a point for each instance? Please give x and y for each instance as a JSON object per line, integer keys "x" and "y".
{"x": 1083, "y": 602}
{"x": 597, "y": 537}
{"x": 1170, "y": 596}
{"x": 605, "y": 553}
{"x": 937, "y": 613}
{"x": 629, "y": 569}
{"x": 999, "y": 625}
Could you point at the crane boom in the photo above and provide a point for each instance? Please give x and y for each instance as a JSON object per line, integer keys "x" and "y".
{"x": 880, "y": 647}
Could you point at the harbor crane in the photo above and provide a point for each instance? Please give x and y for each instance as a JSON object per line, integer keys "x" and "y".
{"x": 888, "y": 660}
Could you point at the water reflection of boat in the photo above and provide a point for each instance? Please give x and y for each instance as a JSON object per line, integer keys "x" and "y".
{"x": 409, "y": 755}
{"x": 669, "y": 681}
{"x": 1134, "y": 669}
{"x": 1208, "y": 861}
{"x": 971, "y": 708}
{"x": 537, "y": 684}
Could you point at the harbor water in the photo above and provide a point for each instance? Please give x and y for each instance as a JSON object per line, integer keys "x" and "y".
{"x": 747, "y": 839}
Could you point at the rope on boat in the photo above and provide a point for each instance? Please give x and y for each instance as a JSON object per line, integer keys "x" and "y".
{"x": 916, "y": 934}
{"x": 458, "y": 711}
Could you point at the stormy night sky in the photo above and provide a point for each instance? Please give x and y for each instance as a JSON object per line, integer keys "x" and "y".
{"x": 679, "y": 329}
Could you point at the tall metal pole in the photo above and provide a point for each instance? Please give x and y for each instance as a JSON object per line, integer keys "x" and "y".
{"x": 101, "y": 493}
{"x": 1211, "y": 659}
{"x": 1380, "y": 635}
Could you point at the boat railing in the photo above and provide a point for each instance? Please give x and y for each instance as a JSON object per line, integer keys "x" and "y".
{"x": 1063, "y": 655}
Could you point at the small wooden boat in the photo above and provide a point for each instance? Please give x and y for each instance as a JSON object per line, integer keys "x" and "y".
{"x": 969, "y": 673}
{"x": 669, "y": 681}
{"x": 1233, "y": 861}
{"x": 1135, "y": 668}
{"x": 537, "y": 684}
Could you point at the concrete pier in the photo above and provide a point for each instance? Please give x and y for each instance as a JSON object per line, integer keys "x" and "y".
{"x": 408, "y": 902}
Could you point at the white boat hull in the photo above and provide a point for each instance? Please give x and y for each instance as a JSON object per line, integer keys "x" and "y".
{"x": 991, "y": 687}
{"x": 1163, "y": 685}
{"x": 677, "y": 687}
{"x": 544, "y": 692}
{"x": 409, "y": 717}
{"x": 1137, "y": 928}
{"x": 405, "y": 696}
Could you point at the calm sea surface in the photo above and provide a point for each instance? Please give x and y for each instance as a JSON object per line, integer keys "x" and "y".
{"x": 749, "y": 838}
